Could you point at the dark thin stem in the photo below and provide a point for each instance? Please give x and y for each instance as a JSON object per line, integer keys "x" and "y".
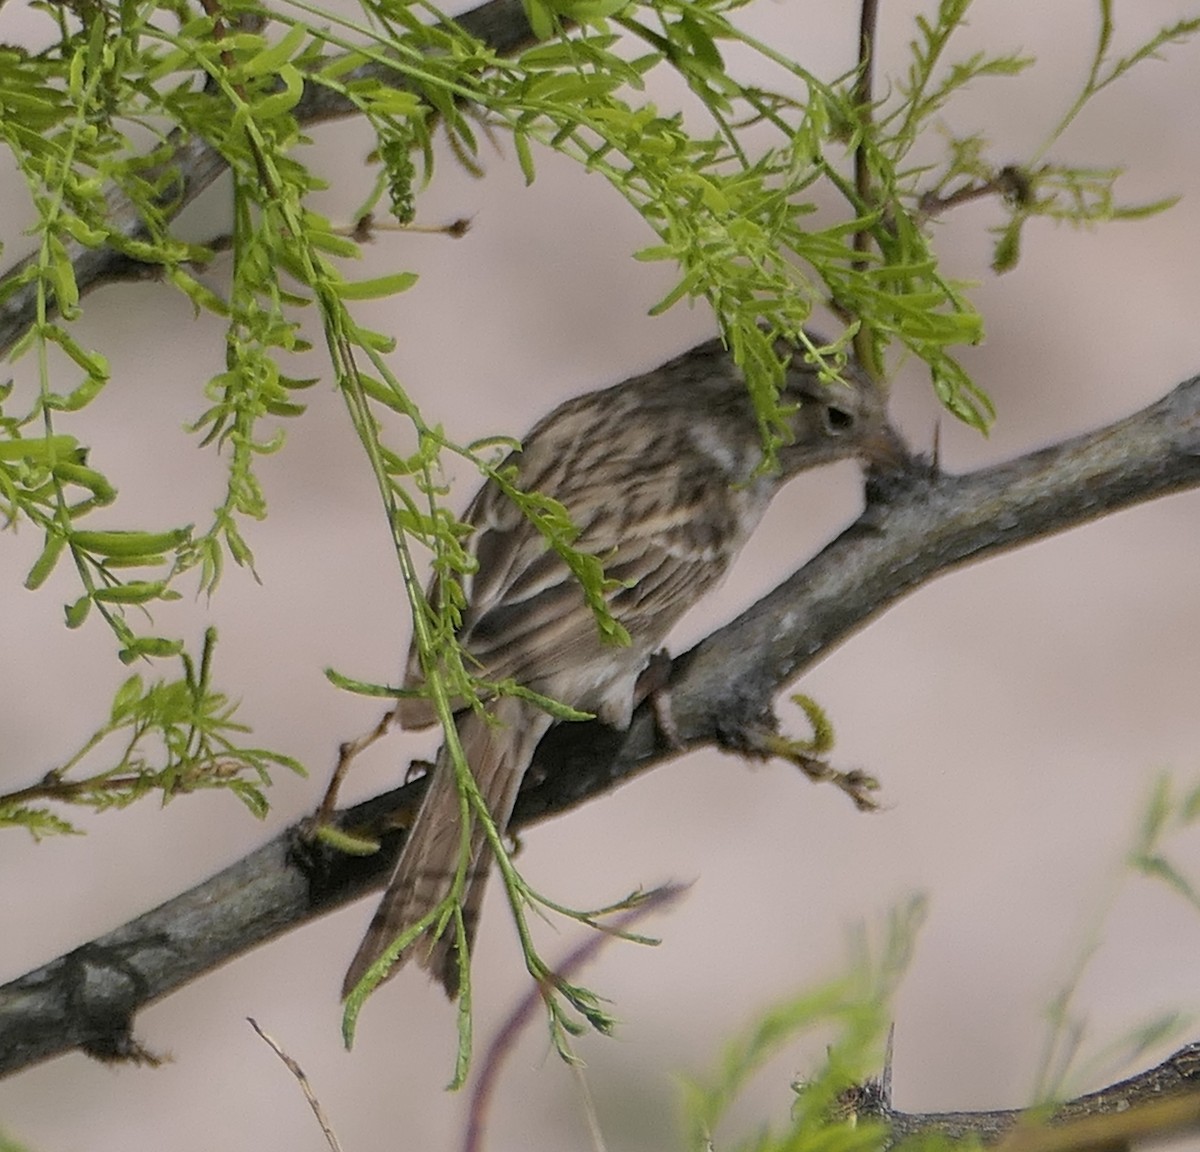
{"x": 863, "y": 102}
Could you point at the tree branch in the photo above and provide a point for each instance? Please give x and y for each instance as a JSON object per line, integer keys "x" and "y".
{"x": 1160, "y": 1102}
{"x": 915, "y": 527}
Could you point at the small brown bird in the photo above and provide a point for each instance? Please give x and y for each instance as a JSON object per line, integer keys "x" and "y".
{"x": 659, "y": 475}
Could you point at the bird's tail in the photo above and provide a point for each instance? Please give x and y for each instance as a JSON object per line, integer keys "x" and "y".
{"x": 499, "y": 750}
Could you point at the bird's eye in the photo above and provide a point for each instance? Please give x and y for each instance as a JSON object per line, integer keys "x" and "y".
{"x": 838, "y": 420}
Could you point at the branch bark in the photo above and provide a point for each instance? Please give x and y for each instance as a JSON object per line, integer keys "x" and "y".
{"x": 914, "y": 528}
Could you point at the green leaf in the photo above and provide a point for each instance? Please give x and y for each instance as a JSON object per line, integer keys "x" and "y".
{"x": 325, "y": 240}
{"x": 701, "y": 43}
{"x": 273, "y": 59}
{"x": 656, "y": 252}
{"x": 77, "y": 612}
{"x": 93, "y": 363}
{"x": 374, "y": 341}
{"x": 251, "y": 796}
{"x": 79, "y": 397}
{"x": 130, "y": 544}
{"x": 95, "y": 482}
{"x": 152, "y": 646}
{"x": 44, "y": 564}
{"x": 388, "y": 101}
{"x": 524, "y": 156}
{"x": 688, "y": 286}
{"x": 279, "y": 103}
{"x": 201, "y": 296}
{"x": 87, "y": 235}
{"x": 541, "y": 20}
{"x": 589, "y": 11}
{"x": 364, "y": 688}
{"x": 41, "y": 450}
{"x": 38, "y": 822}
{"x": 376, "y": 288}
{"x": 135, "y": 592}
{"x": 1007, "y": 251}
{"x": 340, "y": 65}
{"x": 126, "y": 698}
{"x": 1143, "y": 211}
{"x": 61, "y": 274}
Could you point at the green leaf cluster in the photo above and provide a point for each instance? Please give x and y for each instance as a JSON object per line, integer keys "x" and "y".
{"x": 171, "y": 737}
{"x": 1168, "y": 816}
{"x": 857, "y": 1007}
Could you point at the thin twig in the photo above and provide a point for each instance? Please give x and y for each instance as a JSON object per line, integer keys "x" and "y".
{"x": 864, "y": 89}
{"x": 309, "y": 1095}
{"x": 347, "y": 753}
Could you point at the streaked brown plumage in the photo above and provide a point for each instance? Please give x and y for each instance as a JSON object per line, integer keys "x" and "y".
{"x": 658, "y": 474}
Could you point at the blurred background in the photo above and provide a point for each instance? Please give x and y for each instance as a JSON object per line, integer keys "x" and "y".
{"x": 1016, "y": 712}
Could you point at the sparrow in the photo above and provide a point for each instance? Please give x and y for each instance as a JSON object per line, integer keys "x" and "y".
{"x": 662, "y": 476}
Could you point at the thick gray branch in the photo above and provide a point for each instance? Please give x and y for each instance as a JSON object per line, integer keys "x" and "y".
{"x": 917, "y": 527}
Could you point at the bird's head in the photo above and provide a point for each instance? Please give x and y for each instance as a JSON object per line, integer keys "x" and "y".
{"x": 837, "y": 417}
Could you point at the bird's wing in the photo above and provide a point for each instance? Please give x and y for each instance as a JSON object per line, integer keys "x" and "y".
{"x": 666, "y": 532}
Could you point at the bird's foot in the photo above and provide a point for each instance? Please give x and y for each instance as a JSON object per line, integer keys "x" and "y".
{"x": 654, "y": 685}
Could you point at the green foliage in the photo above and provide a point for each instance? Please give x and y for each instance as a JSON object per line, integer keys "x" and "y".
{"x": 857, "y": 1006}
{"x": 1035, "y": 188}
{"x": 1166, "y": 816}
{"x": 731, "y": 205}
{"x": 171, "y": 736}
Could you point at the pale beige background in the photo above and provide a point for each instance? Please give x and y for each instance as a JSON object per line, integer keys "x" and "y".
{"x": 1016, "y": 712}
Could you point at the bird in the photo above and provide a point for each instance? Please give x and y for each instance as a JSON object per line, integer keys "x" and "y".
{"x": 663, "y": 477}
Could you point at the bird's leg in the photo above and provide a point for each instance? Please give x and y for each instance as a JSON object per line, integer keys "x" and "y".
{"x": 346, "y": 756}
{"x": 323, "y": 825}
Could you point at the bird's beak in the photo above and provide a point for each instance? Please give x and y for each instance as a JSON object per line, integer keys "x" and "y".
{"x": 886, "y": 451}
